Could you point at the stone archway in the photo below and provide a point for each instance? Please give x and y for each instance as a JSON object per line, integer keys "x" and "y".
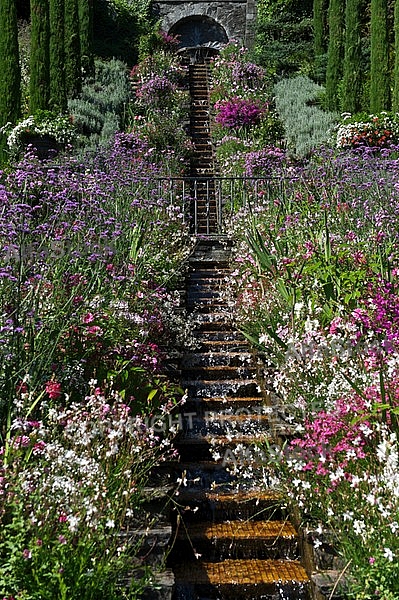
{"x": 199, "y": 30}
{"x": 233, "y": 17}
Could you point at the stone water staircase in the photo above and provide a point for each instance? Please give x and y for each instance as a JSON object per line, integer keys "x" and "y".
{"x": 204, "y": 209}
{"x": 232, "y": 536}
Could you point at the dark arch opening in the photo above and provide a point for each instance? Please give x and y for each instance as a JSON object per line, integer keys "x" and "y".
{"x": 199, "y": 30}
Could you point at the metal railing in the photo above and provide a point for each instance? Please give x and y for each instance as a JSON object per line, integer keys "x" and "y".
{"x": 207, "y": 202}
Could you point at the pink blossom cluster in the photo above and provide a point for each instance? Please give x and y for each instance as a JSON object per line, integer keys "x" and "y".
{"x": 238, "y": 112}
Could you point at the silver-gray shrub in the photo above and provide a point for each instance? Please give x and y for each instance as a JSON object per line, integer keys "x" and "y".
{"x": 98, "y": 112}
{"x": 306, "y": 124}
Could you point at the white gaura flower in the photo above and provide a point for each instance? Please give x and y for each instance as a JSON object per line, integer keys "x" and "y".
{"x": 359, "y": 527}
{"x": 389, "y": 554}
{"x": 73, "y": 523}
{"x": 394, "y": 526}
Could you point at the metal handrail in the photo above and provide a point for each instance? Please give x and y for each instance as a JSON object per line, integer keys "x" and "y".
{"x": 207, "y": 199}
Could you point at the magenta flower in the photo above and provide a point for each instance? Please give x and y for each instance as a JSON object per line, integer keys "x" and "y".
{"x": 238, "y": 112}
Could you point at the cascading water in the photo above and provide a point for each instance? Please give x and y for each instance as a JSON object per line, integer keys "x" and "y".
{"x": 232, "y": 537}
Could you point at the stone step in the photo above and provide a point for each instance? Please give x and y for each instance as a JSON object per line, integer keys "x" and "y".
{"x": 210, "y": 426}
{"x": 234, "y": 403}
{"x": 232, "y": 359}
{"x": 205, "y": 373}
{"x": 219, "y": 346}
{"x": 204, "y": 474}
{"x": 255, "y": 504}
{"x": 198, "y": 445}
{"x": 212, "y": 388}
{"x": 206, "y": 273}
{"x": 242, "y": 580}
{"x": 217, "y": 336}
{"x": 238, "y": 539}
{"x": 329, "y": 585}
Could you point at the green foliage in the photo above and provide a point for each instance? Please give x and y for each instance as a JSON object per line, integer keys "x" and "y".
{"x": 283, "y": 35}
{"x": 85, "y": 8}
{"x": 269, "y": 131}
{"x": 353, "y": 64}
{"x": 10, "y": 91}
{"x": 58, "y": 99}
{"x": 150, "y": 43}
{"x": 289, "y": 9}
{"x": 98, "y": 112}
{"x": 118, "y": 26}
{"x": 379, "y": 69}
{"x": 283, "y": 46}
{"x": 40, "y": 59}
{"x": 395, "y": 97}
{"x": 335, "y": 54}
{"x": 73, "y": 73}
{"x": 319, "y": 27}
{"x": 306, "y": 124}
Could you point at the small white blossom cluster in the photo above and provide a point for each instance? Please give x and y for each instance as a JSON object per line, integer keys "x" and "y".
{"x": 377, "y": 131}
{"x": 58, "y": 127}
{"x": 65, "y": 470}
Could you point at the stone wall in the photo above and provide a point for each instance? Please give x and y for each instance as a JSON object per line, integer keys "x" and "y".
{"x": 234, "y": 17}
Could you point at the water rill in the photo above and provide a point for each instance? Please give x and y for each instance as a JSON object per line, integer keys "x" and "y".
{"x": 232, "y": 534}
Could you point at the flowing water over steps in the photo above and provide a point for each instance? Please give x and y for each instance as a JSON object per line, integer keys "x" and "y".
{"x": 232, "y": 536}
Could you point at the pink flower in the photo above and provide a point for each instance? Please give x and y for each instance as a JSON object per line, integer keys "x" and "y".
{"x": 371, "y": 560}
{"x": 88, "y": 318}
{"x": 39, "y": 447}
{"x": 94, "y": 330}
{"x": 53, "y": 389}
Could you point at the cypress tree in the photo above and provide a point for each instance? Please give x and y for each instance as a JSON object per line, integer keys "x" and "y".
{"x": 58, "y": 98}
{"x": 39, "y": 88}
{"x": 379, "y": 69}
{"x": 73, "y": 74}
{"x": 10, "y": 76}
{"x": 395, "y": 99}
{"x": 352, "y": 79}
{"x": 86, "y": 36}
{"x": 335, "y": 53}
{"x": 319, "y": 27}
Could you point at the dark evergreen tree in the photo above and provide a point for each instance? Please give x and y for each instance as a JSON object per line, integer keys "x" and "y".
{"x": 86, "y": 36}
{"x": 395, "y": 98}
{"x": 39, "y": 90}
{"x": 335, "y": 53}
{"x": 353, "y": 75}
{"x": 379, "y": 68}
{"x": 73, "y": 72}
{"x": 10, "y": 76}
{"x": 319, "y": 27}
{"x": 58, "y": 99}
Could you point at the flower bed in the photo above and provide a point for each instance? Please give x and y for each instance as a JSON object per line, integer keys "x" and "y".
{"x": 91, "y": 253}
{"x": 317, "y": 282}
